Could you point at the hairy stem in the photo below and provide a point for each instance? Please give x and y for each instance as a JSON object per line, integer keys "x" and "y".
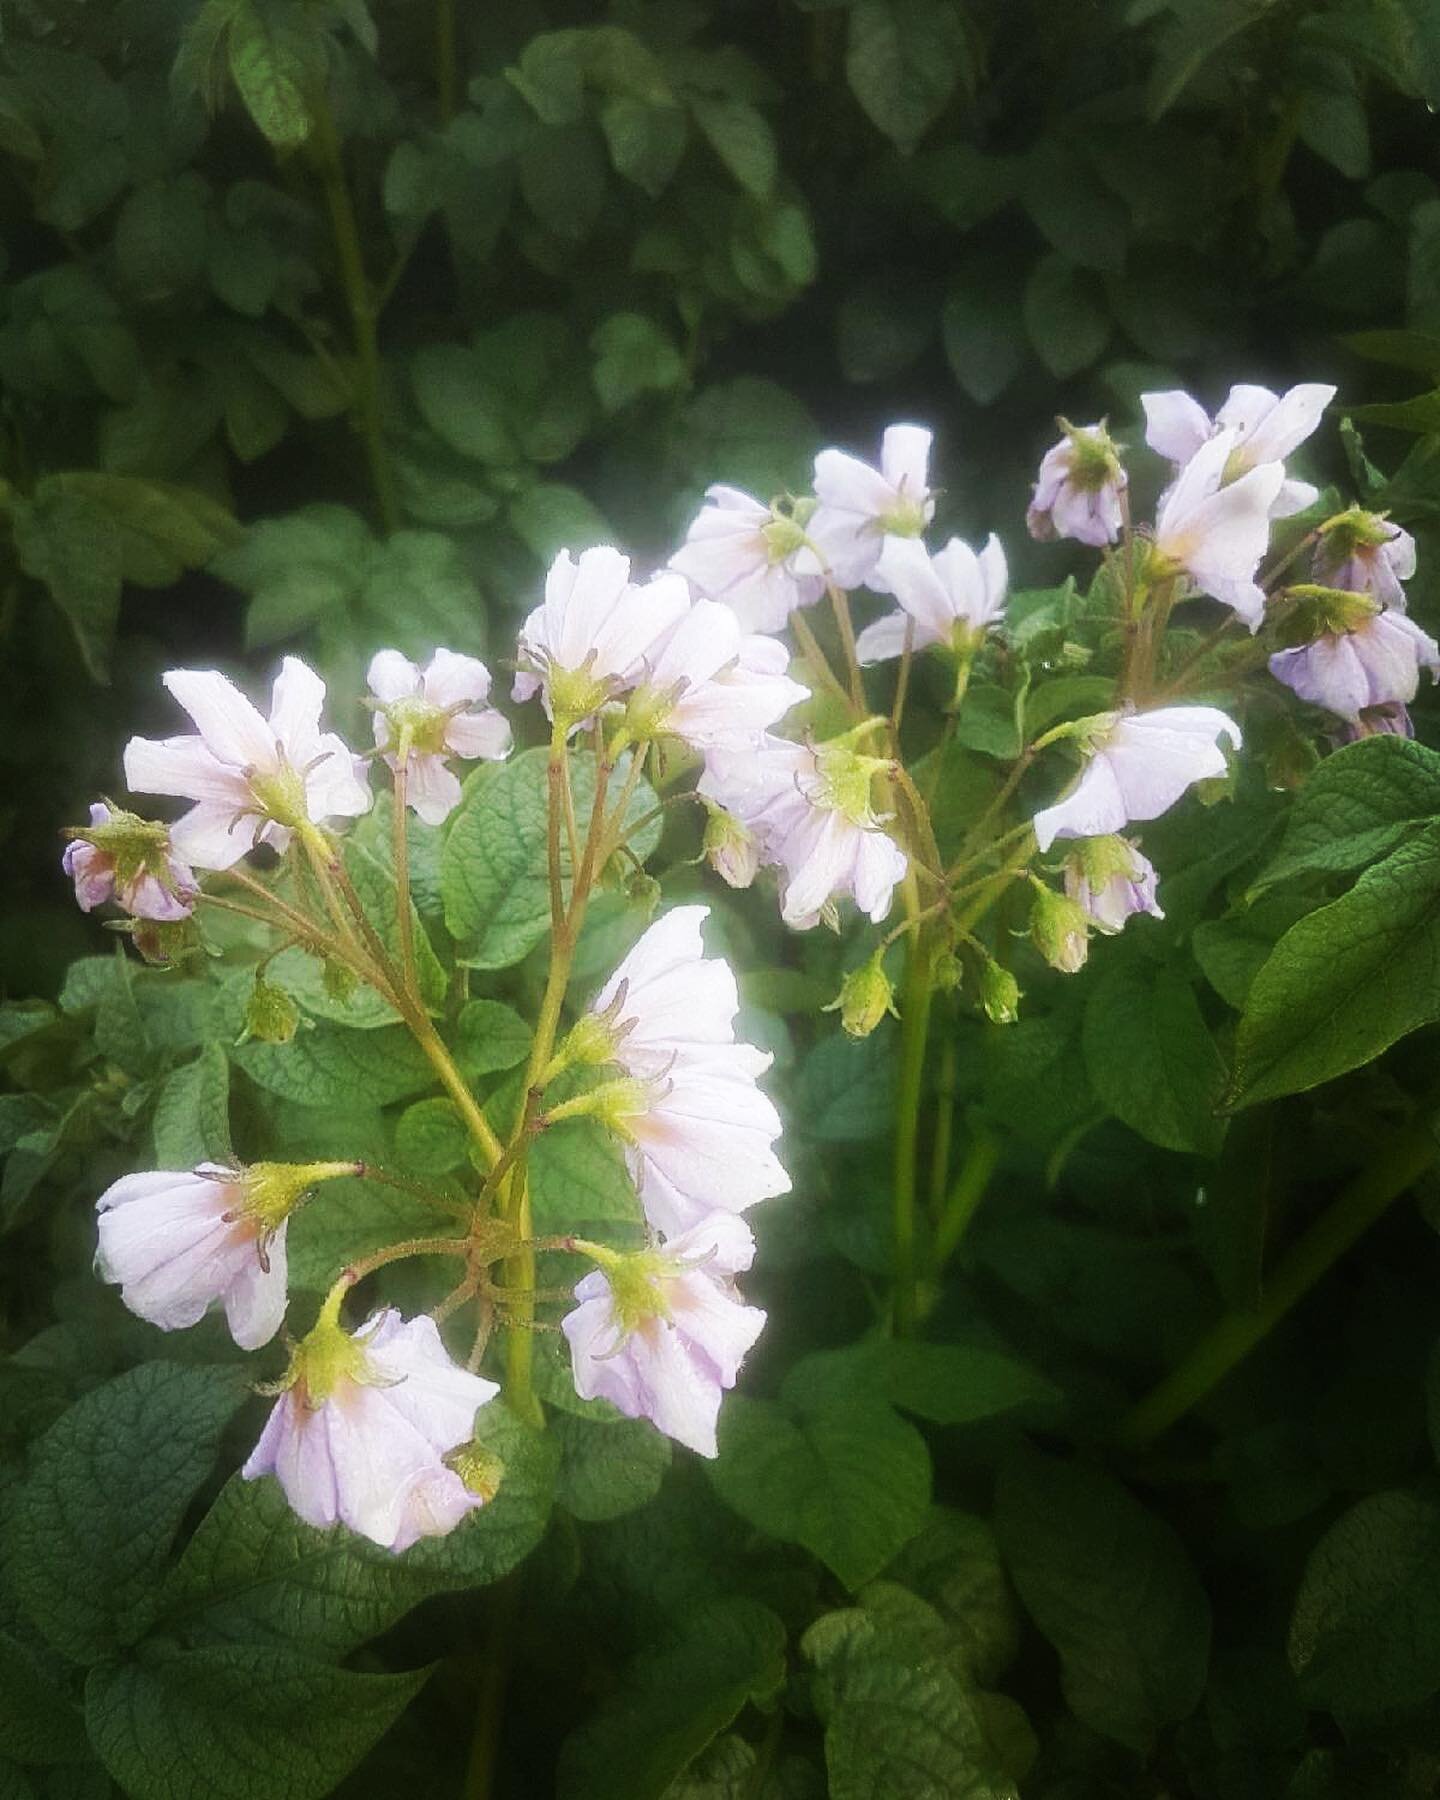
{"x": 914, "y": 1029}
{"x": 400, "y": 855}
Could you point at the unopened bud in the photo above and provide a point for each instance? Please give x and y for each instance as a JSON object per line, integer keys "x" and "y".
{"x": 271, "y": 1016}
{"x": 1059, "y": 930}
{"x": 160, "y": 941}
{"x": 865, "y": 996}
{"x": 480, "y": 1469}
{"x": 999, "y": 993}
{"x": 947, "y": 972}
{"x": 730, "y": 848}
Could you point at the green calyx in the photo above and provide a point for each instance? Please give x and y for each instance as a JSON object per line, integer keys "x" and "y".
{"x": 416, "y": 727}
{"x": 637, "y": 1284}
{"x": 647, "y": 711}
{"x": 1100, "y": 860}
{"x": 271, "y": 1016}
{"x": 1352, "y": 530}
{"x": 280, "y": 795}
{"x": 1059, "y": 928}
{"x": 785, "y": 532}
{"x": 271, "y": 1191}
{"x": 1325, "y": 611}
{"x": 905, "y": 519}
{"x": 591, "y": 1040}
{"x": 325, "y": 1357}
{"x": 613, "y": 1103}
{"x": 136, "y": 847}
{"x": 575, "y": 693}
{"x": 846, "y": 774}
{"x": 999, "y": 993}
{"x": 1094, "y": 458}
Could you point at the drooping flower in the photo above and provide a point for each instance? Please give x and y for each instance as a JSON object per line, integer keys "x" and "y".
{"x": 1139, "y": 766}
{"x": 863, "y": 511}
{"x": 1216, "y": 531}
{"x": 757, "y": 559}
{"x": 698, "y": 1129}
{"x": 951, "y": 598}
{"x": 254, "y": 781}
{"x": 1111, "y": 880}
{"x": 127, "y": 859}
{"x": 426, "y": 715}
{"x": 1078, "y": 488}
{"x": 662, "y": 1334}
{"x": 809, "y": 808}
{"x": 1375, "y": 661}
{"x": 1365, "y": 553}
{"x": 1059, "y": 929}
{"x": 1391, "y": 720}
{"x": 709, "y": 682}
{"x": 1264, "y": 428}
{"x": 360, "y": 1432}
{"x": 730, "y": 848}
{"x": 586, "y": 643}
{"x": 177, "y": 1242}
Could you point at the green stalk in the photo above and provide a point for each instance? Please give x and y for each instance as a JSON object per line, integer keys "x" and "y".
{"x": 966, "y": 1195}
{"x": 1231, "y": 1339}
{"x": 915, "y": 999}
{"x": 360, "y": 302}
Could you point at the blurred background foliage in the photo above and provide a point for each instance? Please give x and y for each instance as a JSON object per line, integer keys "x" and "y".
{"x": 421, "y": 292}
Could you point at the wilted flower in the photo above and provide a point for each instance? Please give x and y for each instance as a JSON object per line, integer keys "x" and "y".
{"x": 587, "y": 641}
{"x": 1216, "y": 531}
{"x": 863, "y": 511}
{"x": 176, "y": 1242}
{"x": 1059, "y": 929}
{"x": 1263, "y": 427}
{"x": 661, "y": 1334}
{"x": 809, "y": 807}
{"x": 729, "y": 848}
{"x": 254, "y": 781}
{"x": 1375, "y": 661}
{"x": 1365, "y": 553}
{"x": 951, "y": 598}
{"x": 1110, "y": 880}
{"x": 1391, "y": 720}
{"x": 708, "y": 682}
{"x": 1140, "y": 764}
{"x": 360, "y": 1431}
{"x": 424, "y": 715}
{"x": 757, "y": 559}
{"x": 1078, "y": 488}
{"x": 127, "y": 859}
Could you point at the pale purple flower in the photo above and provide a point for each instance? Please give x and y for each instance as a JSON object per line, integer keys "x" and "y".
{"x": 1111, "y": 880}
{"x": 254, "y": 780}
{"x": 175, "y": 1243}
{"x": 435, "y": 712}
{"x": 129, "y": 860}
{"x": 1078, "y": 488}
{"x": 359, "y": 1435}
{"x": 863, "y": 511}
{"x": 809, "y": 809}
{"x": 1391, "y": 720}
{"x": 952, "y": 598}
{"x": 755, "y": 558}
{"x": 1376, "y": 662}
{"x": 662, "y": 1334}
{"x": 1263, "y": 427}
{"x": 708, "y": 681}
{"x": 1216, "y": 531}
{"x": 586, "y": 643}
{"x": 1140, "y": 764}
{"x": 1363, "y": 553}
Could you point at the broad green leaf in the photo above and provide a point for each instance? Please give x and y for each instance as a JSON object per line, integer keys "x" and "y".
{"x": 160, "y": 237}
{"x": 549, "y": 515}
{"x": 351, "y": 1217}
{"x": 38, "y": 1723}
{"x": 274, "y": 56}
{"x": 954, "y": 1564}
{"x": 646, "y": 142}
{"x": 883, "y": 327}
{"x": 490, "y": 1036}
{"x": 608, "y": 1467}
{"x": 1347, "y": 981}
{"x": 494, "y": 870}
{"x": 1364, "y": 1636}
{"x": 577, "y": 1176}
{"x": 633, "y": 356}
{"x": 562, "y": 180}
{"x": 1192, "y": 36}
{"x": 236, "y": 1721}
{"x": 903, "y": 60}
{"x": 1066, "y": 317}
{"x": 1111, "y": 1587}
{"x": 982, "y": 329}
{"x": 673, "y": 1699}
{"x": 848, "y": 1479}
{"x": 741, "y": 137}
{"x": 1356, "y": 806}
{"x": 1151, "y": 1058}
{"x": 461, "y": 404}
{"x": 431, "y": 1138}
{"x": 949, "y": 1384}
{"x": 846, "y": 1090}
{"x": 107, "y": 1488}
{"x": 1069, "y": 202}
{"x": 192, "y": 1113}
{"x": 1232, "y": 951}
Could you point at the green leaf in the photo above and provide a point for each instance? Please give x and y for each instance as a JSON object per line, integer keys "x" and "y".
{"x": 949, "y": 1384}
{"x": 1365, "y": 1636}
{"x": 550, "y": 514}
{"x": 490, "y": 1036}
{"x": 192, "y": 1113}
{"x": 903, "y": 59}
{"x": 1111, "y": 1587}
{"x": 741, "y": 137}
{"x": 1151, "y": 1058}
{"x": 494, "y": 870}
{"x": 1190, "y": 39}
{"x": 107, "y": 1488}
{"x": 160, "y": 237}
{"x": 846, "y": 1090}
{"x": 1065, "y": 316}
{"x": 1232, "y": 951}
{"x": 608, "y": 1467}
{"x": 38, "y": 1724}
{"x": 1072, "y": 206}
{"x": 461, "y": 404}
{"x": 633, "y": 356}
{"x": 275, "y": 55}
{"x": 431, "y": 1138}
{"x": 848, "y": 1479}
{"x": 645, "y": 142}
{"x": 562, "y": 180}
{"x": 1355, "y": 807}
{"x": 1347, "y": 981}
{"x": 981, "y": 329}
{"x": 954, "y": 1564}
{"x": 674, "y": 1698}
{"x": 577, "y": 1174}
{"x": 237, "y": 1722}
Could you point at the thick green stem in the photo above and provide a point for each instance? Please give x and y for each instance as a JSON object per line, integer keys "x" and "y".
{"x": 494, "y": 1679}
{"x": 840, "y": 604}
{"x": 360, "y": 303}
{"x": 914, "y": 1029}
{"x": 1236, "y": 1334}
{"x": 965, "y": 1197}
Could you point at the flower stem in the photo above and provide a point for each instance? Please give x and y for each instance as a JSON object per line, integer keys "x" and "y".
{"x": 1236, "y": 1334}
{"x": 360, "y": 302}
{"x": 494, "y": 1678}
{"x": 400, "y": 855}
{"x": 965, "y": 1197}
{"x": 843, "y": 624}
{"x": 819, "y": 662}
{"x": 914, "y": 1030}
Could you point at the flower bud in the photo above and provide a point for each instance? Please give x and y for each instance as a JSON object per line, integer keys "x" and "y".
{"x": 160, "y": 942}
{"x": 866, "y": 996}
{"x": 729, "y": 848}
{"x": 999, "y": 993}
{"x": 947, "y": 973}
{"x": 271, "y": 1016}
{"x": 1059, "y": 929}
